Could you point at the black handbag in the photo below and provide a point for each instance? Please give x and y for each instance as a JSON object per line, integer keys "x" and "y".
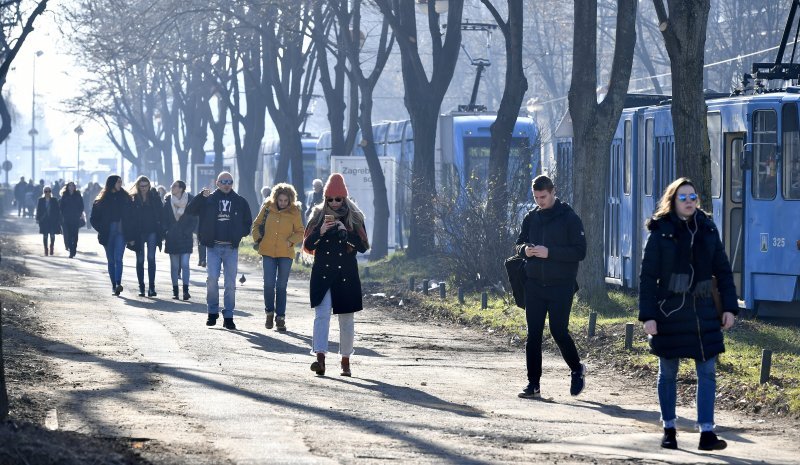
{"x": 261, "y": 230}
{"x": 515, "y": 268}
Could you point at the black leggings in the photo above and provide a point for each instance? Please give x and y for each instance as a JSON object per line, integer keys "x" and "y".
{"x": 52, "y": 239}
{"x": 555, "y": 301}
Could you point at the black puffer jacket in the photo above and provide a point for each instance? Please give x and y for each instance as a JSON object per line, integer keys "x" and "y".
{"x": 687, "y": 323}
{"x": 560, "y": 230}
{"x": 113, "y": 207}
{"x": 335, "y": 266}
{"x": 144, "y": 218}
{"x": 178, "y": 234}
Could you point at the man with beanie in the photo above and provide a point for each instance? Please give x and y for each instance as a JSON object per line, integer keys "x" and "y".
{"x": 225, "y": 219}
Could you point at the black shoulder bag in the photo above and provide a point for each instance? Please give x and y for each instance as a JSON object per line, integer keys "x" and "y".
{"x": 261, "y": 228}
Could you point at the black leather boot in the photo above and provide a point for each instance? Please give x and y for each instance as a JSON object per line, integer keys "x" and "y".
{"x": 186, "y": 295}
{"x": 174, "y": 292}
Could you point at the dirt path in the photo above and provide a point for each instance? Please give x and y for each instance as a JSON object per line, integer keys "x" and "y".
{"x": 422, "y": 392}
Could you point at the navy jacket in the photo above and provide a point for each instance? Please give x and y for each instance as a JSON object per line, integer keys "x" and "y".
{"x": 178, "y": 234}
{"x": 560, "y": 230}
{"x": 207, "y": 208}
{"x": 687, "y": 323}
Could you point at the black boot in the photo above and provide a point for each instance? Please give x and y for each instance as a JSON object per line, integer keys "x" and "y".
{"x": 141, "y": 289}
{"x": 227, "y": 323}
{"x": 212, "y": 319}
{"x": 669, "y": 441}
{"x": 174, "y": 292}
{"x": 710, "y": 441}
{"x": 151, "y": 292}
{"x": 186, "y": 295}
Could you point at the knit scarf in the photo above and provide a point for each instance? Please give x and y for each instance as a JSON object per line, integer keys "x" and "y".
{"x": 179, "y": 205}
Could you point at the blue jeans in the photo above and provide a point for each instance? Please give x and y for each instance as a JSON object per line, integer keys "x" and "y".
{"x": 179, "y": 265}
{"x": 275, "y": 291}
{"x": 227, "y": 258}
{"x": 706, "y": 390}
{"x": 115, "y": 248}
{"x": 149, "y": 240}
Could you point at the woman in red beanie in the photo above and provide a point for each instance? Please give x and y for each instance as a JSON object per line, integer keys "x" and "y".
{"x": 334, "y": 234}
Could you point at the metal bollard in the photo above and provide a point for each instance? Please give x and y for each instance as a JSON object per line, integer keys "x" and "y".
{"x": 442, "y": 290}
{"x": 484, "y": 300}
{"x": 425, "y": 284}
{"x": 592, "y": 323}
{"x": 628, "y": 336}
{"x": 411, "y": 283}
{"x": 460, "y": 295}
{"x": 766, "y": 365}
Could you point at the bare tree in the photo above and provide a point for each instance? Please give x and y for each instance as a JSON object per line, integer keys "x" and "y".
{"x": 684, "y": 32}
{"x": 594, "y": 125}
{"x": 502, "y": 129}
{"x": 423, "y": 99}
{"x": 13, "y": 17}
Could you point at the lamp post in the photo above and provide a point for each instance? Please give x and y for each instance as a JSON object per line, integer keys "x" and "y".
{"x": 33, "y": 132}
{"x": 79, "y": 132}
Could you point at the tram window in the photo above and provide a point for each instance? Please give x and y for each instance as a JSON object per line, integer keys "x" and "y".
{"x": 765, "y": 138}
{"x": 649, "y": 169}
{"x": 628, "y": 155}
{"x": 791, "y": 152}
{"x": 737, "y": 175}
{"x": 714, "y": 141}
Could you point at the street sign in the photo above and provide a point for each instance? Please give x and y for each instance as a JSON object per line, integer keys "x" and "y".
{"x": 7, "y": 165}
{"x": 205, "y": 176}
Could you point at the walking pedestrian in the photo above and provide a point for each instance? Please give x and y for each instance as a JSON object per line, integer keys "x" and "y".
{"x": 20, "y": 189}
{"x": 682, "y": 256}
{"x": 552, "y": 242}
{"x": 266, "y": 191}
{"x": 145, "y": 231}
{"x": 178, "y": 235}
{"x": 49, "y": 218}
{"x": 225, "y": 219}
{"x": 313, "y": 197}
{"x": 30, "y": 198}
{"x": 110, "y": 207}
{"x": 277, "y": 229}
{"x": 334, "y": 234}
{"x": 71, "y": 206}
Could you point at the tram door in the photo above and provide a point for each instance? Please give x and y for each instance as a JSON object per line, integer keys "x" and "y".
{"x": 733, "y": 231}
{"x": 612, "y": 220}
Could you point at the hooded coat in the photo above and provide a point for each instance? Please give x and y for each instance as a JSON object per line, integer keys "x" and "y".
{"x": 687, "y": 322}
{"x": 207, "y": 208}
{"x": 178, "y": 234}
{"x": 280, "y": 227}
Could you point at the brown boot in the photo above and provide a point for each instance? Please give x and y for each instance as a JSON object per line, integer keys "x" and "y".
{"x": 319, "y": 365}
{"x": 51, "y": 249}
{"x": 45, "y": 251}
{"x": 346, "y": 367}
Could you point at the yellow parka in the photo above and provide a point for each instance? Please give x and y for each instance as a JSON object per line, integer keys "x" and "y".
{"x": 282, "y": 228}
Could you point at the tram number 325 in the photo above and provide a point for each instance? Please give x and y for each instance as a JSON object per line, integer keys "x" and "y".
{"x": 779, "y": 242}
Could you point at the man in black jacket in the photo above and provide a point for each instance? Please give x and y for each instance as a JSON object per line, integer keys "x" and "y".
{"x": 552, "y": 242}
{"x": 225, "y": 219}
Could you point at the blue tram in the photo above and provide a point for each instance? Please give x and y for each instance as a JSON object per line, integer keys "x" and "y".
{"x": 755, "y": 190}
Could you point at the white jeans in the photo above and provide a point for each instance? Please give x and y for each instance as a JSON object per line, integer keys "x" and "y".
{"x": 322, "y": 327}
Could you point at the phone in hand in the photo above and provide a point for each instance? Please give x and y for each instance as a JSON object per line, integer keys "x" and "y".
{"x": 329, "y": 219}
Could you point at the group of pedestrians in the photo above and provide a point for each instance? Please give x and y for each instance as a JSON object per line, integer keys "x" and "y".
{"x": 684, "y": 266}
{"x": 62, "y": 215}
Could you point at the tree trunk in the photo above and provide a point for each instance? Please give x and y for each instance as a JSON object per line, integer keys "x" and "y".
{"x": 684, "y": 32}
{"x": 502, "y": 129}
{"x": 379, "y": 246}
{"x": 424, "y": 120}
{"x": 593, "y": 126}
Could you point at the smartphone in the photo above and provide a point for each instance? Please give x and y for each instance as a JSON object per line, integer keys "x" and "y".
{"x": 329, "y": 218}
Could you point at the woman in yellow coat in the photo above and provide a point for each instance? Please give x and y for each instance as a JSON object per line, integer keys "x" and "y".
{"x": 277, "y": 229}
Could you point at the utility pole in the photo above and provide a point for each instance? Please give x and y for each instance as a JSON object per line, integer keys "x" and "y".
{"x": 33, "y": 132}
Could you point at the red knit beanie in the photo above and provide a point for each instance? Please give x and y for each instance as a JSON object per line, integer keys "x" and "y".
{"x": 335, "y": 187}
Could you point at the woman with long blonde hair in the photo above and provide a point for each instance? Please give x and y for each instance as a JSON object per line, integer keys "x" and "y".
{"x": 145, "y": 230}
{"x": 684, "y": 265}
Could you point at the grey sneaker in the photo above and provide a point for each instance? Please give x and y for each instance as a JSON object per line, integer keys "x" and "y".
{"x": 578, "y": 381}
{"x": 530, "y": 392}
{"x": 270, "y": 318}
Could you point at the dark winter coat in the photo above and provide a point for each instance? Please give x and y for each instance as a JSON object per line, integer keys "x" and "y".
{"x": 560, "y": 230}
{"x": 144, "y": 218}
{"x": 71, "y": 206}
{"x": 335, "y": 266}
{"x": 115, "y": 206}
{"x": 19, "y": 191}
{"x": 207, "y": 208}
{"x": 178, "y": 234}
{"x": 49, "y": 219}
{"x": 687, "y": 323}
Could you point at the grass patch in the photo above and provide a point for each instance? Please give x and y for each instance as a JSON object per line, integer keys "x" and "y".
{"x": 250, "y": 255}
{"x": 738, "y": 370}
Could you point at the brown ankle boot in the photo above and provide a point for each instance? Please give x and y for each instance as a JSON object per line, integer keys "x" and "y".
{"x": 319, "y": 365}
{"x": 346, "y": 367}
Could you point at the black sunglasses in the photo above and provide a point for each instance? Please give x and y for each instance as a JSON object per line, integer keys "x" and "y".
{"x": 683, "y": 197}
{"x": 334, "y": 199}
{"x": 226, "y": 182}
